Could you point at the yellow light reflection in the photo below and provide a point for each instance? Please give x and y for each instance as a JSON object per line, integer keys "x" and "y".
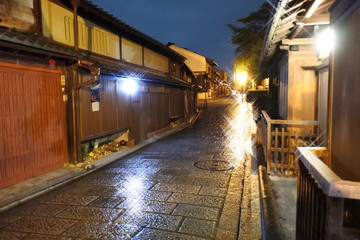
{"x": 240, "y": 130}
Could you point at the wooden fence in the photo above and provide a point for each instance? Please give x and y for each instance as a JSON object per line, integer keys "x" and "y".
{"x": 280, "y": 139}
{"x": 321, "y": 195}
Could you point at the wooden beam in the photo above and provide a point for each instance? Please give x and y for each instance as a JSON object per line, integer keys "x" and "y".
{"x": 298, "y": 41}
{"x": 314, "y": 20}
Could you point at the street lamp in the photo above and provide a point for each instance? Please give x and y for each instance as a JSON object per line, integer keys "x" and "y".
{"x": 241, "y": 77}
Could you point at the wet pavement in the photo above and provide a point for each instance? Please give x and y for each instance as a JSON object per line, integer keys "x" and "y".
{"x": 186, "y": 186}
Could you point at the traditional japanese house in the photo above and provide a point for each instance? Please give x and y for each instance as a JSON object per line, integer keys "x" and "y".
{"x": 328, "y": 176}
{"x": 208, "y": 78}
{"x": 66, "y": 71}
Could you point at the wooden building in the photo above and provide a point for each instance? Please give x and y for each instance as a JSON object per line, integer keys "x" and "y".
{"x": 315, "y": 85}
{"x": 63, "y": 65}
{"x": 210, "y": 81}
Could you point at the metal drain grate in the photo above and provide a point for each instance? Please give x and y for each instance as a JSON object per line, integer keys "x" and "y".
{"x": 214, "y": 165}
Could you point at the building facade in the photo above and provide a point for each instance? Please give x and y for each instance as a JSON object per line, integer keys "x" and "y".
{"x": 64, "y": 69}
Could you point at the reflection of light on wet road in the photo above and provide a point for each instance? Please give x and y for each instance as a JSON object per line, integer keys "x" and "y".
{"x": 241, "y": 127}
{"x": 134, "y": 188}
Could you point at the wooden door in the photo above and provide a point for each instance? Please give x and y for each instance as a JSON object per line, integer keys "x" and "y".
{"x": 32, "y": 123}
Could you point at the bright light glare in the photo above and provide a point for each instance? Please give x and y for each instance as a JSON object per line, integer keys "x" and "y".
{"x": 325, "y": 42}
{"x": 241, "y": 77}
{"x": 129, "y": 85}
{"x": 240, "y": 130}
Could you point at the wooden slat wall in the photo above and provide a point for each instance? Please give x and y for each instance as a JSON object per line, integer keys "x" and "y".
{"x": 142, "y": 113}
{"x": 162, "y": 103}
{"x": 32, "y": 123}
{"x": 155, "y": 112}
{"x": 176, "y": 103}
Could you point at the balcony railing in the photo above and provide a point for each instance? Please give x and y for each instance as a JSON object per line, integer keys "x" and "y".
{"x": 320, "y": 199}
{"x": 280, "y": 139}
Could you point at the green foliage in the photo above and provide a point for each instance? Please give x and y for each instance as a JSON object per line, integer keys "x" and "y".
{"x": 248, "y": 39}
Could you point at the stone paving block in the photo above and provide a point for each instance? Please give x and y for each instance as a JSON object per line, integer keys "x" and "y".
{"x": 174, "y": 166}
{"x": 157, "y": 155}
{"x": 157, "y": 178}
{"x": 151, "y": 161}
{"x": 188, "y": 157}
{"x": 133, "y": 165}
{"x": 210, "y": 182}
{"x": 154, "y": 195}
{"x": 182, "y": 180}
{"x": 199, "y": 227}
{"x": 232, "y": 207}
{"x": 133, "y": 171}
{"x": 169, "y": 187}
{"x": 229, "y": 221}
{"x": 193, "y": 211}
{"x": 11, "y": 235}
{"x": 11, "y": 216}
{"x": 137, "y": 183}
{"x": 147, "y": 206}
{"x": 213, "y": 191}
{"x": 91, "y": 213}
{"x": 43, "y": 210}
{"x": 153, "y": 234}
{"x": 73, "y": 190}
{"x": 173, "y": 172}
{"x": 106, "y": 202}
{"x": 152, "y": 220}
{"x": 224, "y": 234}
{"x": 221, "y": 176}
{"x": 102, "y": 174}
{"x": 201, "y": 200}
{"x": 3, "y": 224}
{"x": 234, "y": 199}
{"x": 103, "y": 191}
{"x": 100, "y": 230}
{"x": 42, "y": 225}
{"x": 69, "y": 199}
{"x": 98, "y": 182}
{"x": 45, "y": 237}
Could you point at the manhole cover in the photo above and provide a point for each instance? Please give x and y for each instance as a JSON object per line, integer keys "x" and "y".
{"x": 214, "y": 165}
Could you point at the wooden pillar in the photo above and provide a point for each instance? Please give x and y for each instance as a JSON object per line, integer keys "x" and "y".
{"x": 334, "y": 218}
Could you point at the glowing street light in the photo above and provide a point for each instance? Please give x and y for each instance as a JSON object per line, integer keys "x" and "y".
{"x": 241, "y": 77}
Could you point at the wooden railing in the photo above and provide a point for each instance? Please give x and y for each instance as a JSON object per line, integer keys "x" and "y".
{"x": 320, "y": 199}
{"x": 280, "y": 139}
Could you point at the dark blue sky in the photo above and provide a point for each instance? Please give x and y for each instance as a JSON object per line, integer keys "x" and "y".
{"x": 199, "y": 25}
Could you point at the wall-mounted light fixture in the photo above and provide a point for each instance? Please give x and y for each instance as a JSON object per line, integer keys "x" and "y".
{"x": 325, "y": 42}
{"x": 129, "y": 85}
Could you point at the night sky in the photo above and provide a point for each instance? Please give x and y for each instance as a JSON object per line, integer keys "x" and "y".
{"x": 199, "y": 25}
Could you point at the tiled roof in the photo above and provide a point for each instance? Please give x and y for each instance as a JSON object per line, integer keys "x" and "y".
{"x": 35, "y": 41}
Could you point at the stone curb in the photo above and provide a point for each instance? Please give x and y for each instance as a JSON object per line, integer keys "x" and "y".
{"x": 36, "y": 186}
{"x": 250, "y": 218}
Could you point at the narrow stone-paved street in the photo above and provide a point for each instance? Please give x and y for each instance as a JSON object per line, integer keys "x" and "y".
{"x": 164, "y": 191}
